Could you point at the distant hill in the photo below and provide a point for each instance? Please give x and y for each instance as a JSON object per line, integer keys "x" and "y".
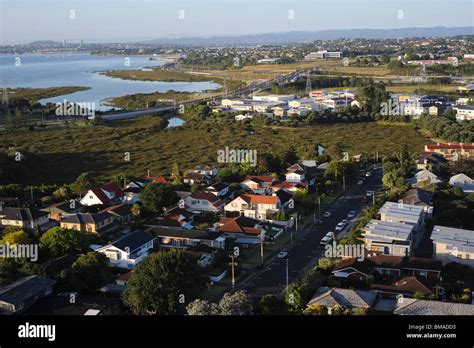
{"x": 307, "y": 36}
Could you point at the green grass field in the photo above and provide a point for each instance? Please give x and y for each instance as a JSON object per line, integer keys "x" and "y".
{"x": 61, "y": 154}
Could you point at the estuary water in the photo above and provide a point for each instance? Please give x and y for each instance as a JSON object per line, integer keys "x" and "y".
{"x": 57, "y": 70}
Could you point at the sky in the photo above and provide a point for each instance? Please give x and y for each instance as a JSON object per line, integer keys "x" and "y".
{"x": 23, "y": 21}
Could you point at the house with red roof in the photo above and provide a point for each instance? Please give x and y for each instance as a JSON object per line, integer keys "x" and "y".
{"x": 241, "y": 227}
{"x": 255, "y": 206}
{"x": 103, "y": 195}
{"x": 159, "y": 179}
{"x": 259, "y": 184}
{"x": 202, "y": 201}
{"x": 451, "y": 151}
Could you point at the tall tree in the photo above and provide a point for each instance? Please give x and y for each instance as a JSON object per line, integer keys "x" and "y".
{"x": 156, "y": 196}
{"x": 162, "y": 283}
{"x": 58, "y": 241}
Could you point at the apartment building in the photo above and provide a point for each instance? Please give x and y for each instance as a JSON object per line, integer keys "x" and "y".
{"x": 451, "y": 151}
{"x": 453, "y": 245}
{"x": 390, "y": 238}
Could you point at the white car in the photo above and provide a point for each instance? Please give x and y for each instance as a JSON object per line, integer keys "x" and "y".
{"x": 339, "y": 227}
{"x": 330, "y": 235}
{"x": 282, "y": 255}
{"x": 369, "y": 193}
{"x": 327, "y": 214}
{"x": 368, "y": 174}
{"x": 326, "y": 240}
{"x": 360, "y": 182}
{"x": 351, "y": 214}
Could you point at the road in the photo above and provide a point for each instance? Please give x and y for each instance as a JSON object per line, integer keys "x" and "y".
{"x": 306, "y": 249}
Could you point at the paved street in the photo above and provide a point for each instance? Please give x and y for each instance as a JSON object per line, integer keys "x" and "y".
{"x": 306, "y": 249}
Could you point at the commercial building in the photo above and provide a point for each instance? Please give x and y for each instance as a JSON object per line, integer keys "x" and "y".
{"x": 323, "y": 55}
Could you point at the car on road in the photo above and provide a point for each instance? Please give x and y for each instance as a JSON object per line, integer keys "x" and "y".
{"x": 318, "y": 222}
{"x": 360, "y": 182}
{"x": 326, "y": 240}
{"x": 369, "y": 193}
{"x": 330, "y": 235}
{"x": 351, "y": 214}
{"x": 327, "y": 214}
{"x": 339, "y": 227}
{"x": 282, "y": 255}
{"x": 344, "y": 222}
{"x": 368, "y": 174}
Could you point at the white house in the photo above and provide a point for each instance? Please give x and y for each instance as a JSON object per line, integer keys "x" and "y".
{"x": 424, "y": 176}
{"x": 105, "y": 194}
{"x": 258, "y": 183}
{"x": 462, "y": 181}
{"x": 131, "y": 193}
{"x": 464, "y": 113}
{"x": 255, "y": 206}
{"x": 453, "y": 245}
{"x": 202, "y": 201}
{"x": 129, "y": 250}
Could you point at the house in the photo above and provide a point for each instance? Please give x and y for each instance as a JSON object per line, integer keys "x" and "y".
{"x": 202, "y": 201}
{"x": 87, "y": 222}
{"x": 124, "y": 278}
{"x": 203, "y": 253}
{"x": 419, "y": 198}
{"x": 54, "y": 267}
{"x": 179, "y": 238}
{"x": 255, "y": 206}
{"x": 131, "y": 193}
{"x": 430, "y": 161}
{"x": 83, "y": 304}
{"x": 104, "y": 195}
{"x": 21, "y": 294}
{"x": 158, "y": 179}
{"x": 129, "y": 250}
{"x": 175, "y": 217}
{"x": 28, "y": 218}
{"x": 464, "y": 113}
{"x": 390, "y": 238}
{"x": 351, "y": 269}
{"x": 259, "y": 184}
{"x": 451, "y": 152}
{"x": 424, "y": 177}
{"x": 410, "y": 306}
{"x": 57, "y": 210}
{"x": 288, "y": 186}
{"x": 220, "y": 189}
{"x": 406, "y": 214}
{"x": 120, "y": 212}
{"x": 453, "y": 245}
{"x": 462, "y": 181}
{"x": 205, "y": 170}
{"x": 346, "y": 298}
{"x": 300, "y": 172}
{"x": 191, "y": 178}
{"x": 406, "y": 286}
{"x": 242, "y": 229}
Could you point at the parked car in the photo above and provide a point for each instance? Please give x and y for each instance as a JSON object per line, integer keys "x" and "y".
{"x": 326, "y": 240}
{"x": 368, "y": 174}
{"x": 351, "y": 214}
{"x": 330, "y": 235}
{"x": 344, "y": 222}
{"x": 369, "y": 194}
{"x": 339, "y": 227}
{"x": 327, "y": 214}
{"x": 282, "y": 255}
{"x": 360, "y": 182}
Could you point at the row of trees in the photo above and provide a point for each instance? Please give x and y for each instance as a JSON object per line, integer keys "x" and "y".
{"x": 448, "y": 129}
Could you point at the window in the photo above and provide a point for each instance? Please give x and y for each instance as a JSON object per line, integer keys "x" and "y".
{"x": 459, "y": 256}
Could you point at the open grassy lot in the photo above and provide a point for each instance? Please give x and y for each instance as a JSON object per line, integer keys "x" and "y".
{"x": 423, "y": 87}
{"x": 155, "y": 75}
{"x": 60, "y": 154}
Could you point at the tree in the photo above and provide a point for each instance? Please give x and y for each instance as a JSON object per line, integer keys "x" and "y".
{"x": 273, "y": 305}
{"x": 238, "y": 303}
{"x": 58, "y": 241}
{"x": 176, "y": 175}
{"x": 136, "y": 208}
{"x": 316, "y": 309}
{"x": 360, "y": 311}
{"x": 16, "y": 237}
{"x": 162, "y": 283}
{"x": 202, "y": 307}
{"x": 90, "y": 271}
{"x": 339, "y": 310}
{"x": 84, "y": 183}
{"x": 157, "y": 196}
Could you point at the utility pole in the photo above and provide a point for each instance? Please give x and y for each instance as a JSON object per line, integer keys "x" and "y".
{"x": 261, "y": 248}
{"x": 287, "y": 274}
{"x": 233, "y": 270}
{"x": 344, "y": 183}
{"x": 319, "y": 207}
{"x": 373, "y": 197}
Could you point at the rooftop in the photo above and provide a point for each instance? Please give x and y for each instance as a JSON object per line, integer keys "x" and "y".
{"x": 24, "y": 288}
{"x": 463, "y": 240}
{"x": 377, "y": 230}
